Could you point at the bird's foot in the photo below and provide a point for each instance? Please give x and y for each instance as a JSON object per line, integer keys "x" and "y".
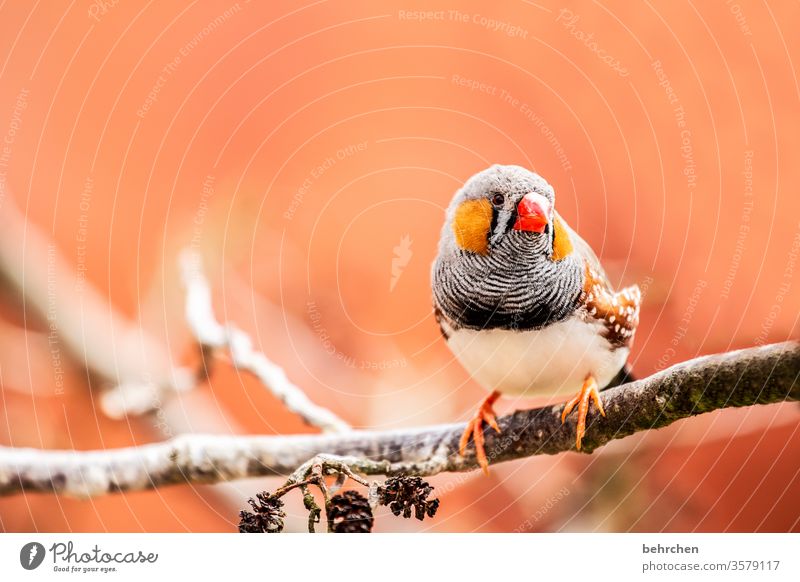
{"x": 475, "y": 430}
{"x": 588, "y": 391}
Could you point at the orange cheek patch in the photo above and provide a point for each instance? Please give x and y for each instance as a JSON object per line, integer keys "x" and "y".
{"x": 471, "y": 226}
{"x": 562, "y": 245}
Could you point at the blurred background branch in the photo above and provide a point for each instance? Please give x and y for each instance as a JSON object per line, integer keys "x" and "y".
{"x": 762, "y": 375}
{"x": 91, "y": 330}
{"x": 96, "y": 335}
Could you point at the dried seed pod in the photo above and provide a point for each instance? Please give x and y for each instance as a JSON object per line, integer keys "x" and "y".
{"x": 404, "y": 494}
{"x": 267, "y": 515}
{"x": 349, "y": 512}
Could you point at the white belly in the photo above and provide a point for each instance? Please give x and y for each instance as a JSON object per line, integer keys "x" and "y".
{"x": 547, "y": 362}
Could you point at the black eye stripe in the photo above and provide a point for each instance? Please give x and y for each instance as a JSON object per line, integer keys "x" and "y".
{"x": 492, "y": 225}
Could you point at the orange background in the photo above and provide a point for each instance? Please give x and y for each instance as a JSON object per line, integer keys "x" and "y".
{"x": 269, "y": 106}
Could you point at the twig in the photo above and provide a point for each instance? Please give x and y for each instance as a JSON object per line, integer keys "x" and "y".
{"x": 211, "y": 335}
{"x": 763, "y": 375}
{"x": 313, "y": 472}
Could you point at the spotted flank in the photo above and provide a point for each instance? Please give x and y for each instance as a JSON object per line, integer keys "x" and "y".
{"x": 617, "y": 311}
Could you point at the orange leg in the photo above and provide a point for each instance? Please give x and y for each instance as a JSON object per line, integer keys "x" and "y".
{"x": 588, "y": 391}
{"x": 475, "y": 430}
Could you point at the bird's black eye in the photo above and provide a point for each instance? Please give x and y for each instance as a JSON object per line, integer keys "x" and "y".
{"x": 498, "y": 199}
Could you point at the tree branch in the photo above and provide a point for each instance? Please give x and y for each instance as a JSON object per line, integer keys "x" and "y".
{"x": 763, "y": 375}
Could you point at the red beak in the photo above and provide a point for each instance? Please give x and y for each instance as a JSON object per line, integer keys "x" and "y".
{"x": 532, "y": 213}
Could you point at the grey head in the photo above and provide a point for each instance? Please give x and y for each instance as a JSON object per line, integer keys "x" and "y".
{"x": 498, "y": 265}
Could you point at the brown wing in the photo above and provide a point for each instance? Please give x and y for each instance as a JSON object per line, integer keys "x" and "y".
{"x": 619, "y": 311}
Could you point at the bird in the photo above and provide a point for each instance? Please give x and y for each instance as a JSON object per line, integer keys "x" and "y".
{"x": 524, "y": 303}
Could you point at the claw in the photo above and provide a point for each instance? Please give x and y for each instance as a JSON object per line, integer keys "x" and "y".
{"x": 588, "y": 391}
{"x": 474, "y": 429}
